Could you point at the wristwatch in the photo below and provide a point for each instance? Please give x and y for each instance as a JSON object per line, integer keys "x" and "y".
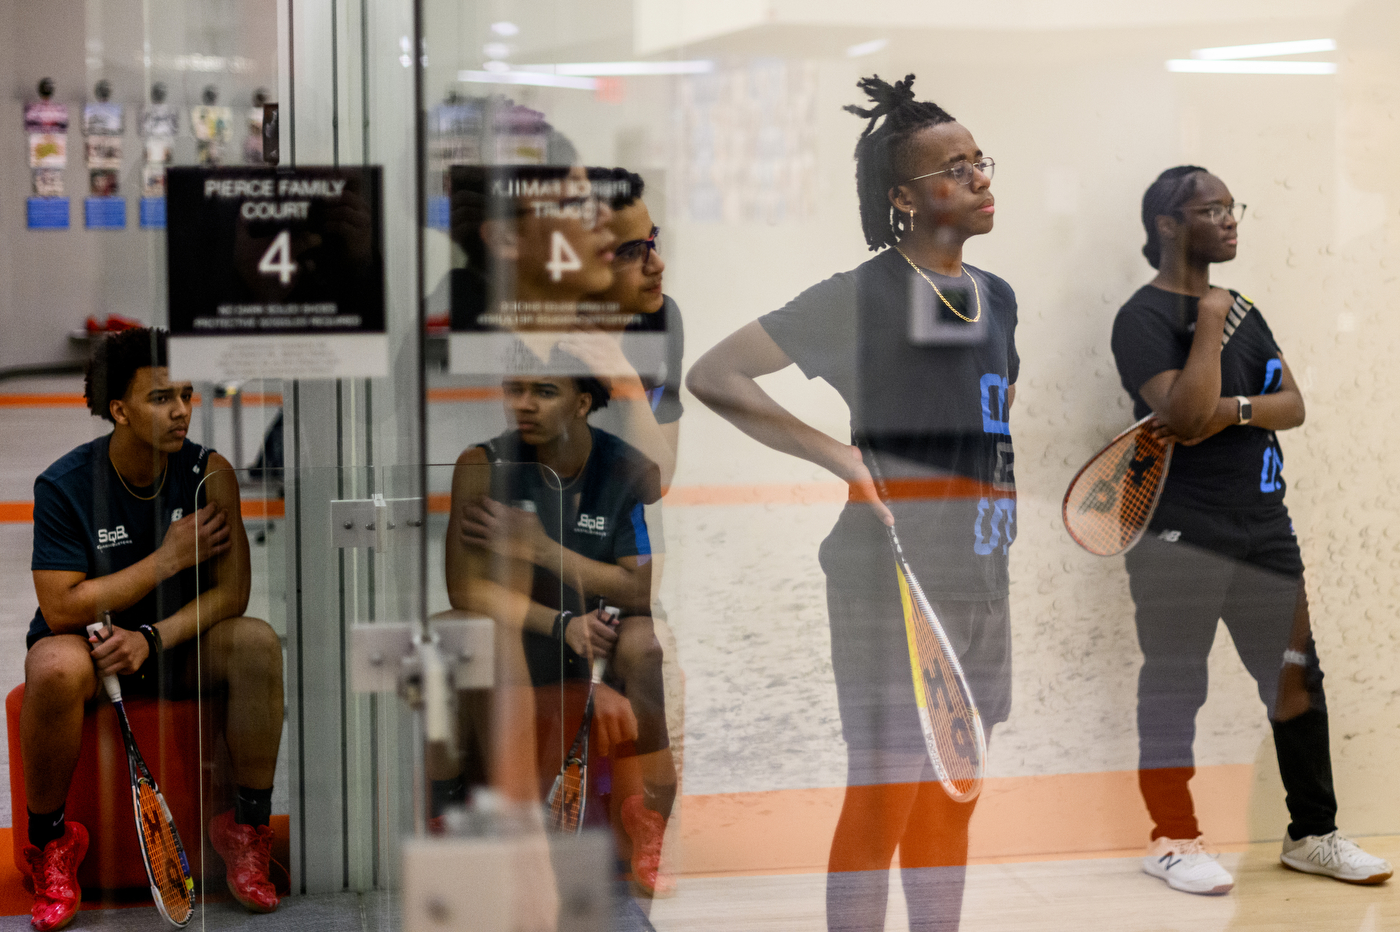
{"x": 1246, "y": 409}
{"x": 153, "y": 642}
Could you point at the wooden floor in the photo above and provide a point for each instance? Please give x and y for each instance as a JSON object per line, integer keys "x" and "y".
{"x": 1100, "y": 895}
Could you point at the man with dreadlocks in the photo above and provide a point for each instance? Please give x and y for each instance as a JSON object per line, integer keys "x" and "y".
{"x": 921, "y": 347}
{"x": 1221, "y": 544}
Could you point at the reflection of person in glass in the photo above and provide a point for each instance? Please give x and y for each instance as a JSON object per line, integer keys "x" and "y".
{"x": 645, "y": 382}
{"x": 1221, "y": 544}
{"x": 933, "y": 412}
{"x": 120, "y": 524}
{"x": 563, "y": 503}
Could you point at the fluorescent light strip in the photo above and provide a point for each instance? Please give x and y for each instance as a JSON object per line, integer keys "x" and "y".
{"x": 1266, "y": 49}
{"x": 1191, "y": 65}
{"x": 527, "y": 77}
{"x": 866, "y": 48}
{"x": 601, "y": 69}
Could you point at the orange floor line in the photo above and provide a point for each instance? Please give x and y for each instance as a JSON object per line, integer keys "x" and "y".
{"x": 1054, "y": 817}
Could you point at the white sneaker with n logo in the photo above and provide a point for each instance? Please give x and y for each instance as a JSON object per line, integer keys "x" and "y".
{"x": 1334, "y": 855}
{"x": 1186, "y": 865}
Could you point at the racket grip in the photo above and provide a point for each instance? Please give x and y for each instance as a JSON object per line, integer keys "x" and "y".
{"x": 114, "y": 689}
{"x": 600, "y": 664}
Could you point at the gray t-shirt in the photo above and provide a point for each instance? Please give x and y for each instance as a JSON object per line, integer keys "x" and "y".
{"x": 931, "y": 409}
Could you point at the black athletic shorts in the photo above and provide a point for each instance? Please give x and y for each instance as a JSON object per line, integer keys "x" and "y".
{"x": 875, "y": 686}
{"x": 174, "y": 678}
{"x": 1262, "y": 537}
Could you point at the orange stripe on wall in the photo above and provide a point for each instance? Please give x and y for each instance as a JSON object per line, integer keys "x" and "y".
{"x": 470, "y": 393}
{"x": 1017, "y": 819}
{"x": 789, "y": 493}
{"x": 263, "y": 508}
{"x": 53, "y": 400}
{"x": 16, "y": 512}
{"x": 250, "y": 399}
{"x": 795, "y": 493}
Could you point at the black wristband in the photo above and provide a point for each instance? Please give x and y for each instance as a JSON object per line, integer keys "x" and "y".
{"x": 153, "y": 642}
{"x": 561, "y": 622}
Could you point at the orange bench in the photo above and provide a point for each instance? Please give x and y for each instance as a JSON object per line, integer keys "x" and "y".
{"x": 168, "y": 735}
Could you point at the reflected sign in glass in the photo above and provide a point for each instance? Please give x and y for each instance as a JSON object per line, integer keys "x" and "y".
{"x": 541, "y": 267}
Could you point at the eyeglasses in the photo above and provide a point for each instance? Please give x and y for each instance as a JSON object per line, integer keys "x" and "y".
{"x": 1217, "y": 212}
{"x": 962, "y": 172}
{"x": 636, "y": 250}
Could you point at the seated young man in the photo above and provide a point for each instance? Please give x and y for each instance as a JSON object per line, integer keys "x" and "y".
{"x": 119, "y": 526}
{"x": 507, "y": 560}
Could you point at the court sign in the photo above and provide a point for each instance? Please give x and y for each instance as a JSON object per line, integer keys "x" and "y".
{"x": 276, "y": 273}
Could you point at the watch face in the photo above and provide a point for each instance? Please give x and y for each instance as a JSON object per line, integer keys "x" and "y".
{"x": 1246, "y": 411}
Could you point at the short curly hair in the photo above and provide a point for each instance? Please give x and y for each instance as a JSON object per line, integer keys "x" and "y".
{"x": 113, "y": 364}
{"x": 596, "y": 389}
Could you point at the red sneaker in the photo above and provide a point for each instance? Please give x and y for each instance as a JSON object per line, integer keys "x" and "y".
{"x": 247, "y": 851}
{"x": 55, "y": 875}
{"x": 647, "y": 830}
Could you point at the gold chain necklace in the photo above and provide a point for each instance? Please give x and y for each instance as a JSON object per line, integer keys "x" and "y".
{"x": 163, "y": 473}
{"x": 975, "y": 290}
{"x": 563, "y": 486}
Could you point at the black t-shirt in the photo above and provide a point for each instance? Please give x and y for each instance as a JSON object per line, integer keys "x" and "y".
{"x": 1240, "y": 467}
{"x": 599, "y": 515}
{"x": 663, "y": 388}
{"x": 928, "y": 393}
{"x": 87, "y": 521}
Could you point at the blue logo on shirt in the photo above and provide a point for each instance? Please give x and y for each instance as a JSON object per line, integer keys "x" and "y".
{"x": 996, "y": 408}
{"x": 1269, "y": 477}
{"x": 1273, "y": 376}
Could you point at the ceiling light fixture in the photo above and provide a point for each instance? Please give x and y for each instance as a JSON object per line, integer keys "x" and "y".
{"x": 600, "y": 69}
{"x": 1266, "y": 49}
{"x": 527, "y": 77}
{"x": 866, "y": 48}
{"x": 1195, "y": 66}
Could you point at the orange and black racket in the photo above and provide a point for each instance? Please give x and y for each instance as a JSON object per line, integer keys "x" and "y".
{"x": 167, "y": 868}
{"x": 568, "y": 797}
{"x": 1111, "y": 499}
{"x": 953, "y": 734}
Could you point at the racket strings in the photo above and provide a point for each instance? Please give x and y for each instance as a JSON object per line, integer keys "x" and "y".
{"x": 1112, "y": 499}
{"x": 566, "y": 801}
{"x": 950, "y": 714}
{"x": 163, "y": 852}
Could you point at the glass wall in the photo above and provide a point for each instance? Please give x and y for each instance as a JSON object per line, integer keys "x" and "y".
{"x": 767, "y": 353}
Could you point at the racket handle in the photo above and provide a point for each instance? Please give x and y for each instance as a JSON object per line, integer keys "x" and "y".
{"x": 611, "y": 613}
{"x": 114, "y": 690}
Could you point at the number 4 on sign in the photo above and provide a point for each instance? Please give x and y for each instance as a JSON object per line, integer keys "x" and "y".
{"x": 562, "y": 257}
{"x": 278, "y": 258}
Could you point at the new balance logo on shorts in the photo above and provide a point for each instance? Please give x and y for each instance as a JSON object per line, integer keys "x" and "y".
{"x": 1170, "y": 537}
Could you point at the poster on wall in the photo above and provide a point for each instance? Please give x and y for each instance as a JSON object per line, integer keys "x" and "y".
{"x": 46, "y": 132}
{"x": 276, "y": 273}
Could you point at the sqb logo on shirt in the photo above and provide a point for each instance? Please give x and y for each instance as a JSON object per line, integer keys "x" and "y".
{"x": 113, "y": 538}
{"x": 588, "y": 524}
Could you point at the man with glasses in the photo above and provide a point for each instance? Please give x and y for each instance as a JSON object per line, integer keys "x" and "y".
{"x": 1221, "y": 544}
{"x": 642, "y": 366}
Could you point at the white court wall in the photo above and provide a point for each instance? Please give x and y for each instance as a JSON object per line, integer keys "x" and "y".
{"x": 1080, "y": 120}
